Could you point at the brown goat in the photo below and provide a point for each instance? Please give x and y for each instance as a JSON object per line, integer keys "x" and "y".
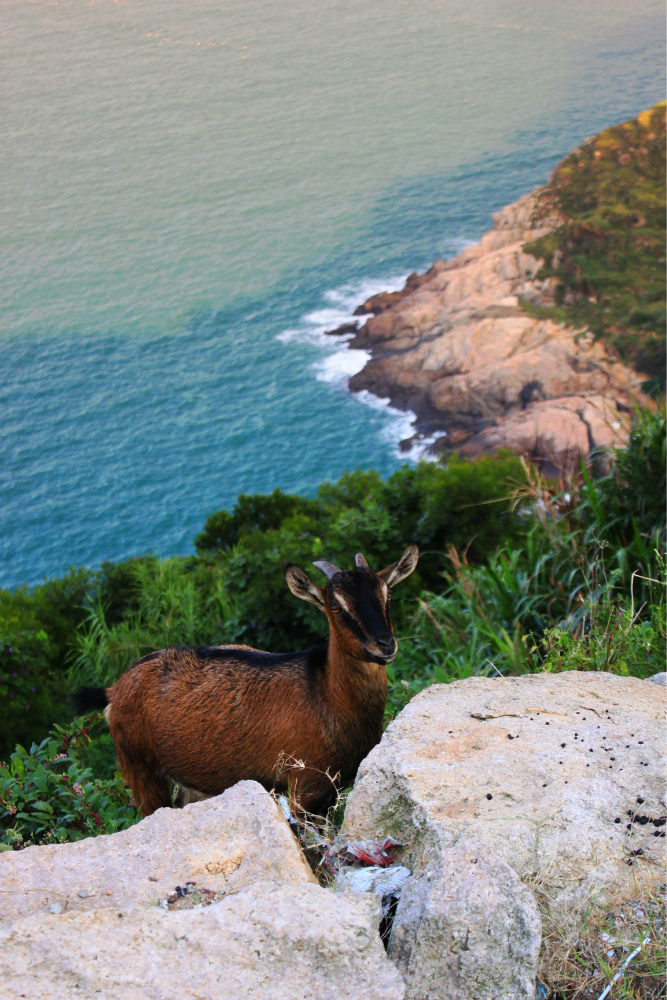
{"x": 209, "y": 717}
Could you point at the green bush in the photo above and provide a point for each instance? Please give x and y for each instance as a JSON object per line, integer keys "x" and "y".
{"x": 584, "y": 590}
{"x": 608, "y": 255}
{"x": 47, "y": 796}
{"x": 29, "y": 693}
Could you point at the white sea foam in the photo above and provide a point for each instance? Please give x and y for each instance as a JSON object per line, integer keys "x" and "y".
{"x": 341, "y": 362}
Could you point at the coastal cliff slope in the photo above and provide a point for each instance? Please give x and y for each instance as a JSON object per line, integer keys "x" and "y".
{"x": 494, "y": 348}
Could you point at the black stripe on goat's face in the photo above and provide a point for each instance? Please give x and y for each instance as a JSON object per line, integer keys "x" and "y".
{"x": 358, "y": 608}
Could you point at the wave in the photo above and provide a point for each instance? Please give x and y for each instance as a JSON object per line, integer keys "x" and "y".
{"x": 341, "y": 362}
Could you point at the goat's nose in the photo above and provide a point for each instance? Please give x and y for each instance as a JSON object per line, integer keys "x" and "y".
{"x": 387, "y": 644}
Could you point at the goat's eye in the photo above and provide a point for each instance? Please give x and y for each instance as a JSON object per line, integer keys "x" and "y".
{"x": 335, "y": 608}
{"x": 388, "y": 596}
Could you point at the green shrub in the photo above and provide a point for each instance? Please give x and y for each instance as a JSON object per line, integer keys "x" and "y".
{"x": 169, "y": 610}
{"x": 608, "y": 256}
{"x": 47, "y": 796}
{"x": 29, "y": 693}
{"x": 615, "y": 641}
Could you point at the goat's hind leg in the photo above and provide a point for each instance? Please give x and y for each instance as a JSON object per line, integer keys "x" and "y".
{"x": 149, "y": 786}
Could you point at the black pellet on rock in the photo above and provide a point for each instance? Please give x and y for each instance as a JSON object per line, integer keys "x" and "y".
{"x": 660, "y": 821}
{"x": 659, "y": 833}
{"x": 617, "y": 820}
{"x": 640, "y": 742}
{"x": 489, "y": 795}
{"x": 643, "y": 820}
{"x": 563, "y": 744}
{"x": 629, "y": 826}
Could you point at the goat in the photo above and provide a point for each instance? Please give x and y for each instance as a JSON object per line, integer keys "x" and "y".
{"x": 209, "y": 717}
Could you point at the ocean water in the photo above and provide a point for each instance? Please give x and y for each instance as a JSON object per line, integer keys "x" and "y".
{"x": 193, "y": 191}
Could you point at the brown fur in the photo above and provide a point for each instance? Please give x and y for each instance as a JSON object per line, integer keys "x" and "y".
{"x": 207, "y": 718}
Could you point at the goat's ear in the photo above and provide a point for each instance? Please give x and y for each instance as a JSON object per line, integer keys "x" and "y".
{"x": 399, "y": 570}
{"x": 301, "y": 586}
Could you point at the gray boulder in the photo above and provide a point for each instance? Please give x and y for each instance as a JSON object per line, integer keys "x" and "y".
{"x": 274, "y": 942}
{"x": 222, "y": 844}
{"x": 466, "y": 928}
{"x": 561, "y": 776}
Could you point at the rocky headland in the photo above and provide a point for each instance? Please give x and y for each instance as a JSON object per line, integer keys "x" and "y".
{"x": 493, "y": 349}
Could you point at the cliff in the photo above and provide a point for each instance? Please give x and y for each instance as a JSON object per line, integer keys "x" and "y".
{"x": 542, "y": 337}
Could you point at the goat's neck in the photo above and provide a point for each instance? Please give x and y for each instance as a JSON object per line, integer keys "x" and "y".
{"x": 353, "y": 686}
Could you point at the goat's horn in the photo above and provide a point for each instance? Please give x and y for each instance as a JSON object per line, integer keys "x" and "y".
{"x": 328, "y": 568}
{"x": 360, "y": 561}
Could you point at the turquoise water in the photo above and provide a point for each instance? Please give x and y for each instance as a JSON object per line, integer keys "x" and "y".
{"x": 193, "y": 191}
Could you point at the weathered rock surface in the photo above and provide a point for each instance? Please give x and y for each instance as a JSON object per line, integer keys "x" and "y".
{"x": 457, "y": 348}
{"x": 290, "y": 942}
{"x": 562, "y": 775}
{"x": 466, "y": 928}
{"x": 660, "y": 678}
{"x": 223, "y": 844}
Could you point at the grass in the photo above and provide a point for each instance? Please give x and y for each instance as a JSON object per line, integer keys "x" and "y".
{"x": 581, "y": 959}
{"x": 608, "y": 255}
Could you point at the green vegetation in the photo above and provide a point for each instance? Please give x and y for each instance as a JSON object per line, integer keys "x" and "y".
{"x": 608, "y": 256}
{"x": 516, "y": 575}
{"x": 49, "y": 796}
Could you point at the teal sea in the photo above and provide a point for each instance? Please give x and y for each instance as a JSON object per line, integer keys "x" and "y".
{"x": 194, "y": 190}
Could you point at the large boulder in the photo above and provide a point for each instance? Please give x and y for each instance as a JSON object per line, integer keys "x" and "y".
{"x": 467, "y": 927}
{"x": 289, "y": 942}
{"x": 222, "y": 844}
{"x": 560, "y": 775}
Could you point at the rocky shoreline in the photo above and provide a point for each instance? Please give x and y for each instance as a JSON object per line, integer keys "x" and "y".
{"x": 458, "y": 347}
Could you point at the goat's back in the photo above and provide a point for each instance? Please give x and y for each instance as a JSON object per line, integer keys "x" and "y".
{"x": 211, "y": 716}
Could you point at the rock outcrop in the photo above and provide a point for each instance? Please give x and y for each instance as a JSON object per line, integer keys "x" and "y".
{"x": 93, "y": 917}
{"x": 457, "y": 348}
{"x": 222, "y": 844}
{"x": 562, "y": 776}
{"x": 275, "y": 942}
